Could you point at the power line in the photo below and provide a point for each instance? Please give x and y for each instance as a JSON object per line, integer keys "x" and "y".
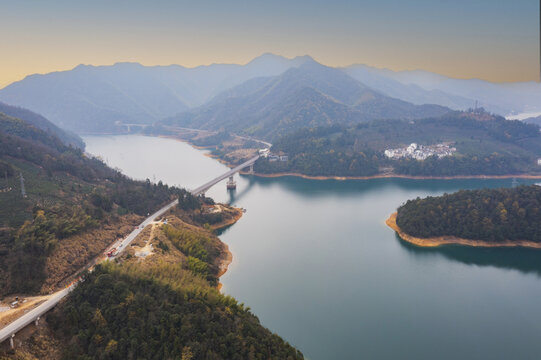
{"x": 23, "y": 191}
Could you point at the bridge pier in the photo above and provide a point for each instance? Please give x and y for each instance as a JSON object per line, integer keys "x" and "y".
{"x": 11, "y": 343}
{"x": 251, "y": 171}
{"x": 231, "y": 184}
{"x": 37, "y": 321}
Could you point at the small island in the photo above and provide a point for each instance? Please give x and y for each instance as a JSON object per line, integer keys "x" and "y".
{"x": 506, "y": 217}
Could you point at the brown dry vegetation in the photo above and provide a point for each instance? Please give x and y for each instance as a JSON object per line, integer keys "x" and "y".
{"x": 13, "y": 313}
{"x": 75, "y": 253}
{"x": 33, "y": 343}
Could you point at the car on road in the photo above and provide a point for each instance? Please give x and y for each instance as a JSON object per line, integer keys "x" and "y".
{"x": 111, "y": 252}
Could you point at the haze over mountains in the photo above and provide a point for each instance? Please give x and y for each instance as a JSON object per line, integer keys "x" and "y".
{"x": 503, "y": 99}
{"x": 43, "y": 124}
{"x": 92, "y": 98}
{"x": 306, "y": 96}
{"x": 533, "y": 120}
{"x": 95, "y": 99}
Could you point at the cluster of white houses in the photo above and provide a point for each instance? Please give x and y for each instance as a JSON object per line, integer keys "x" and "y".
{"x": 265, "y": 153}
{"x": 420, "y": 152}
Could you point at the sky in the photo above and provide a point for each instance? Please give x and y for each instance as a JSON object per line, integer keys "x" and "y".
{"x": 495, "y": 40}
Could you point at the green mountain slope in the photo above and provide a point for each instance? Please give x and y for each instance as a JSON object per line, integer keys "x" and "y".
{"x": 310, "y": 95}
{"x": 163, "y": 306}
{"x": 71, "y": 201}
{"x": 485, "y": 144}
{"x": 160, "y": 312}
{"x": 42, "y": 123}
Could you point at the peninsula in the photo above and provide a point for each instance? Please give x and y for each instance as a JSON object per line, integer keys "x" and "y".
{"x": 483, "y": 218}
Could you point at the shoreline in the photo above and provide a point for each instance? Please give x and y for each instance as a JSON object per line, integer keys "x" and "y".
{"x": 371, "y": 177}
{"x": 453, "y": 240}
{"x": 398, "y": 176}
{"x": 233, "y": 220}
{"x": 225, "y": 261}
{"x": 226, "y": 258}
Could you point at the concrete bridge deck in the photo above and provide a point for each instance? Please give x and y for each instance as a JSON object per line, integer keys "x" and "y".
{"x": 203, "y": 188}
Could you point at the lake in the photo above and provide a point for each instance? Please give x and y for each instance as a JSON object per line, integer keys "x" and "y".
{"x": 316, "y": 263}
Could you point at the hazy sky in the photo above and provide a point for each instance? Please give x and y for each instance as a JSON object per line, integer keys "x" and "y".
{"x": 497, "y": 40}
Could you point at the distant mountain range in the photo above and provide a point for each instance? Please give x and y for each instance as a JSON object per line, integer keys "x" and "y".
{"x": 90, "y": 99}
{"x": 306, "y": 96}
{"x": 499, "y": 98}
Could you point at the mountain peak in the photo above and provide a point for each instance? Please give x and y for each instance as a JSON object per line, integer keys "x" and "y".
{"x": 300, "y": 60}
{"x": 270, "y": 57}
{"x": 266, "y": 57}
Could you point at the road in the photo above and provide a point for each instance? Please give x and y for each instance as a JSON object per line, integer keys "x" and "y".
{"x": 267, "y": 144}
{"x": 31, "y": 316}
{"x": 122, "y": 245}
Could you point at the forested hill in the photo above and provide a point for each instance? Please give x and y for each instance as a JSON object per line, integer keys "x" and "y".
{"x": 485, "y": 145}
{"x": 42, "y": 123}
{"x": 308, "y": 96}
{"x": 71, "y": 202}
{"x": 487, "y": 214}
{"x": 166, "y": 306}
{"x": 160, "y": 311}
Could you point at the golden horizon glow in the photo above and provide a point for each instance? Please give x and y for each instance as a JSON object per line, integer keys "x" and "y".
{"x": 461, "y": 39}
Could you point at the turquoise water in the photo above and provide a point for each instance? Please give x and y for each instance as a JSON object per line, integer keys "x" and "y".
{"x": 316, "y": 263}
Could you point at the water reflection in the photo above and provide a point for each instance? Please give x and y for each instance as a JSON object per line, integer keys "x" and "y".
{"x": 333, "y": 188}
{"x": 521, "y": 259}
{"x": 236, "y": 195}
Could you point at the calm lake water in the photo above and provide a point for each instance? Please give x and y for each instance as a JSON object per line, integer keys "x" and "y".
{"x": 316, "y": 263}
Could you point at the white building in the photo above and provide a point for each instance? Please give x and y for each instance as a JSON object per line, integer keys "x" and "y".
{"x": 264, "y": 152}
{"x": 411, "y": 149}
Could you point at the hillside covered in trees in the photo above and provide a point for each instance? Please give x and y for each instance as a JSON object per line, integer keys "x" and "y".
{"x": 71, "y": 202}
{"x": 164, "y": 312}
{"x": 160, "y": 304}
{"x": 488, "y": 214}
{"x": 486, "y": 145}
{"x": 164, "y": 305}
{"x": 42, "y": 123}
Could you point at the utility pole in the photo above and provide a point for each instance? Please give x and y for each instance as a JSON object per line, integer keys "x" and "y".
{"x": 23, "y": 191}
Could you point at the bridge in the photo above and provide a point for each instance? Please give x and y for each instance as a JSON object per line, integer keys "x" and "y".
{"x": 34, "y": 315}
{"x": 130, "y": 126}
{"x": 203, "y": 188}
